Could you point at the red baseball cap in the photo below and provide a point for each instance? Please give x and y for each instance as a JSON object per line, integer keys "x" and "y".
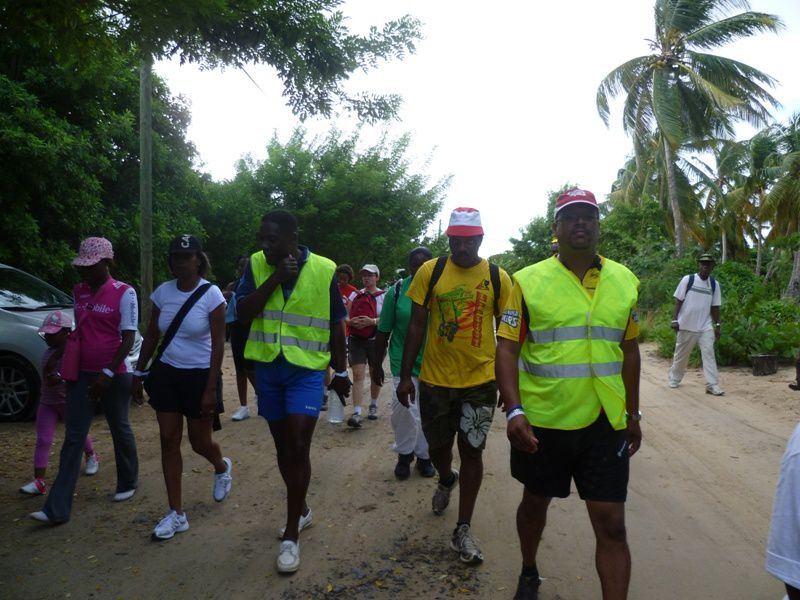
{"x": 464, "y": 222}
{"x": 575, "y": 196}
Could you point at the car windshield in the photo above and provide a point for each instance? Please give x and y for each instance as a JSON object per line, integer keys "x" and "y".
{"x": 20, "y": 291}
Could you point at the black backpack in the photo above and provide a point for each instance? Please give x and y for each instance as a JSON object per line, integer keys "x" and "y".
{"x": 691, "y": 283}
{"x": 494, "y": 277}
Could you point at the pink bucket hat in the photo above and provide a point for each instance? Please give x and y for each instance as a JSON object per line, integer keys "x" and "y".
{"x": 92, "y": 251}
{"x": 464, "y": 222}
{"x": 55, "y": 322}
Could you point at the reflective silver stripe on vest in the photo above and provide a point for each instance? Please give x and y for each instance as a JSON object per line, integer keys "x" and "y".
{"x": 305, "y": 344}
{"x": 568, "y": 334}
{"x": 572, "y": 371}
{"x": 264, "y": 338}
{"x": 293, "y": 319}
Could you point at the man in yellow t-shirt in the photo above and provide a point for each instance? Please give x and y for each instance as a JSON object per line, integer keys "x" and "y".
{"x": 568, "y": 372}
{"x": 460, "y": 296}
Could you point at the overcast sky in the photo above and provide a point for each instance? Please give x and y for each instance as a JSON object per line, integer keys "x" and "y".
{"x": 501, "y": 96}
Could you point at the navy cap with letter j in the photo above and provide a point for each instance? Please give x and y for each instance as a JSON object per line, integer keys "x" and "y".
{"x": 185, "y": 243}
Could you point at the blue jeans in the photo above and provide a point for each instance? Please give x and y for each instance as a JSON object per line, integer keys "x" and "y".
{"x": 80, "y": 410}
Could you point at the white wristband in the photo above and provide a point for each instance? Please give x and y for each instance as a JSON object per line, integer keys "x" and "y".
{"x": 340, "y": 373}
{"x": 138, "y": 373}
{"x": 108, "y": 372}
{"x": 514, "y": 413}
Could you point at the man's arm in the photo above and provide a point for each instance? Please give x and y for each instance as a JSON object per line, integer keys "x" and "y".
{"x": 675, "y": 312}
{"x": 414, "y": 337}
{"x": 715, "y": 318}
{"x": 631, "y": 365}
{"x": 506, "y": 370}
{"x": 249, "y": 307}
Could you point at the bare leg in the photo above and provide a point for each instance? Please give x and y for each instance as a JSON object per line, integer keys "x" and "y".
{"x": 170, "y": 427}
{"x": 203, "y": 444}
{"x": 612, "y": 555}
{"x": 292, "y": 437}
{"x": 359, "y": 372}
{"x": 531, "y": 520}
{"x": 470, "y": 478}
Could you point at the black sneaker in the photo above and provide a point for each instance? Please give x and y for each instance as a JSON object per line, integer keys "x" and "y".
{"x": 403, "y": 468}
{"x": 425, "y": 467}
{"x": 354, "y": 421}
{"x": 528, "y": 588}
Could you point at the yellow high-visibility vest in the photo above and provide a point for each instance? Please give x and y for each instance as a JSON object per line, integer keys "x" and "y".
{"x": 571, "y": 362}
{"x": 300, "y": 327}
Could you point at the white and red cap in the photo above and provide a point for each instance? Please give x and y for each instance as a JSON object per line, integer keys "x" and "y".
{"x": 464, "y": 222}
{"x": 575, "y": 196}
{"x": 92, "y": 251}
{"x": 55, "y": 322}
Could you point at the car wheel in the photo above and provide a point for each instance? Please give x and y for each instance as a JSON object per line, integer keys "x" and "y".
{"x": 19, "y": 389}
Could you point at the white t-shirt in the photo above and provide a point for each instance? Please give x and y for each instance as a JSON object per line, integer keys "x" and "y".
{"x": 783, "y": 545}
{"x": 378, "y": 299}
{"x": 695, "y": 313}
{"x": 191, "y": 346}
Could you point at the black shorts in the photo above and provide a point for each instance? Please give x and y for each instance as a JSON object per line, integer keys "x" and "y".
{"x": 178, "y": 390}
{"x": 239, "y": 334}
{"x": 361, "y": 351}
{"x": 595, "y": 456}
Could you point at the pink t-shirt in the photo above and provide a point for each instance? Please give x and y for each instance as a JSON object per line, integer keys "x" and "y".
{"x": 98, "y": 320}
{"x": 51, "y": 394}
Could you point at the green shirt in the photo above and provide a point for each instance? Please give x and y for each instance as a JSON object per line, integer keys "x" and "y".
{"x": 394, "y": 320}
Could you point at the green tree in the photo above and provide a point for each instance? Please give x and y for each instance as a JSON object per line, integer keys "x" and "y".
{"x": 682, "y": 93}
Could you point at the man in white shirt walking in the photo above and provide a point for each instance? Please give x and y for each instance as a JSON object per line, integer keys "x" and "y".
{"x": 697, "y": 321}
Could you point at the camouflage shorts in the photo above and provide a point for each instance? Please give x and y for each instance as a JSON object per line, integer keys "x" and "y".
{"x": 467, "y": 412}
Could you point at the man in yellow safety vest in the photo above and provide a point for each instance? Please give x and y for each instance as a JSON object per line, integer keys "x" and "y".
{"x": 291, "y": 298}
{"x": 568, "y": 372}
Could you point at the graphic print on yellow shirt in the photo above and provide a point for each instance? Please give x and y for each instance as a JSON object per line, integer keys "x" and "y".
{"x": 460, "y": 347}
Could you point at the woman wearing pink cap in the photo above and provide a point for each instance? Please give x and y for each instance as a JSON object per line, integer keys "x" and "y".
{"x": 54, "y": 330}
{"x": 106, "y": 317}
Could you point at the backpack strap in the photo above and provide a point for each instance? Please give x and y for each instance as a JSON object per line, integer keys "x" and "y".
{"x": 691, "y": 283}
{"x": 178, "y": 319}
{"x": 397, "y": 285}
{"x": 494, "y": 276}
{"x": 438, "y": 268}
{"x": 713, "y": 287}
{"x": 713, "y": 284}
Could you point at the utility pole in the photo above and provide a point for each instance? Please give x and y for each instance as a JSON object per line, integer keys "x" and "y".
{"x": 146, "y": 185}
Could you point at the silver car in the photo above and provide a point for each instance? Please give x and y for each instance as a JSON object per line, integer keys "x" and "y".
{"x": 24, "y": 303}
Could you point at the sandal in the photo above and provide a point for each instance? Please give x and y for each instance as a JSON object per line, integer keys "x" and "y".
{"x": 794, "y": 386}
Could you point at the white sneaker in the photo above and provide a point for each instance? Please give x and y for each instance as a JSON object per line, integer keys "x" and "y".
{"x": 288, "y": 557}
{"x": 673, "y": 385}
{"x": 92, "y": 464}
{"x": 304, "y": 523}
{"x": 241, "y": 414}
{"x": 34, "y": 488}
{"x": 40, "y": 516}
{"x": 170, "y": 525}
{"x": 122, "y": 496}
{"x": 222, "y": 481}
{"x": 714, "y": 390}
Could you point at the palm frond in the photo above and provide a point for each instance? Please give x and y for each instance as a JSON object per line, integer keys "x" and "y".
{"x": 666, "y": 108}
{"x": 619, "y": 80}
{"x": 718, "y": 33}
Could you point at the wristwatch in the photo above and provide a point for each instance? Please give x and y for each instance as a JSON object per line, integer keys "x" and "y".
{"x": 635, "y": 417}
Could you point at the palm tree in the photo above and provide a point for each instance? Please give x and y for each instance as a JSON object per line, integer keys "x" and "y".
{"x": 782, "y": 203}
{"x": 684, "y": 93}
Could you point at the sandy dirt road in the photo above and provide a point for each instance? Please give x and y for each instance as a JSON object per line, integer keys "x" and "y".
{"x": 698, "y": 512}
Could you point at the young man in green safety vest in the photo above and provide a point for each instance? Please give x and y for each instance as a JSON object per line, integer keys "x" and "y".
{"x": 568, "y": 372}
{"x": 290, "y": 297}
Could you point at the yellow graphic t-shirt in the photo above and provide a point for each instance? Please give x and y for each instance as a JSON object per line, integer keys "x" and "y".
{"x": 460, "y": 347}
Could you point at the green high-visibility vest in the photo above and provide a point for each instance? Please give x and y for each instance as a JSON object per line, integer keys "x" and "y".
{"x": 299, "y": 327}
{"x": 571, "y": 362}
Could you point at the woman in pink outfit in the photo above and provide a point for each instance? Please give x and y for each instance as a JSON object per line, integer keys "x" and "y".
{"x": 54, "y": 330}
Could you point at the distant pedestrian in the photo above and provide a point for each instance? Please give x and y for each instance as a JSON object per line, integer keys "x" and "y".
{"x": 297, "y": 330}
{"x": 107, "y": 317}
{"x": 783, "y": 544}
{"x": 696, "y": 318}
{"x": 364, "y": 308}
{"x": 52, "y": 400}
{"x": 238, "y": 338}
{"x": 189, "y": 313}
{"x": 409, "y": 440}
{"x": 796, "y": 384}
{"x": 459, "y": 296}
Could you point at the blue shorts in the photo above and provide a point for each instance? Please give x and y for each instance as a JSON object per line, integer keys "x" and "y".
{"x": 285, "y": 389}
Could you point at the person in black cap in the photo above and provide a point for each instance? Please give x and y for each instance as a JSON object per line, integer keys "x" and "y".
{"x": 696, "y": 318}
{"x": 183, "y": 379}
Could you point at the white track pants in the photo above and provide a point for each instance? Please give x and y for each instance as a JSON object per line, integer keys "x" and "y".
{"x": 684, "y": 345}
{"x": 407, "y": 426}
